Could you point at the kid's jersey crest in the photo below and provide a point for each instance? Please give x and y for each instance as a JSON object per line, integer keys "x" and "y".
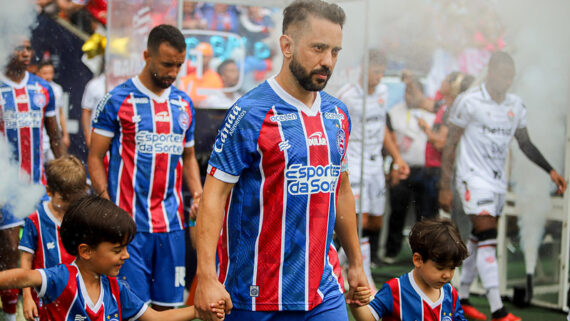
{"x": 23, "y": 107}
{"x": 149, "y": 134}
{"x": 401, "y": 299}
{"x": 65, "y": 297}
{"x": 41, "y": 238}
{"x": 285, "y": 159}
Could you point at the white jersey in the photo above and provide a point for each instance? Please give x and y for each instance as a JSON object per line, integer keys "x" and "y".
{"x": 489, "y": 129}
{"x": 352, "y": 95}
{"x": 94, "y": 92}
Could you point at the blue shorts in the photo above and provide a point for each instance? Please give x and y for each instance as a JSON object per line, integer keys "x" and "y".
{"x": 332, "y": 309}
{"x": 156, "y": 269}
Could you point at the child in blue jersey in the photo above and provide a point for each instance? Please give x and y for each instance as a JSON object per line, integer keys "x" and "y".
{"x": 96, "y": 232}
{"x": 424, "y": 293}
{"x": 40, "y": 245}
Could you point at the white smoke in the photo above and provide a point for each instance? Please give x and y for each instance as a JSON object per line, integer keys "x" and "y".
{"x": 16, "y": 18}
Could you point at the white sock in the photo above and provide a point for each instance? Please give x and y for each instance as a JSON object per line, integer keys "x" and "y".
{"x": 494, "y": 298}
{"x": 10, "y": 317}
{"x": 487, "y": 265}
{"x": 468, "y": 269}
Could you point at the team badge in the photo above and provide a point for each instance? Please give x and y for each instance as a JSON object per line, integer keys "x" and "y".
{"x": 39, "y": 100}
{"x": 510, "y": 114}
{"x": 183, "y": 120}
{"x": 340, "y": 143}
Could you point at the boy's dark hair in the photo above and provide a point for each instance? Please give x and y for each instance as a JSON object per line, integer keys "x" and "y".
{"x": 44, "y": 63}
{"x": 165, "y": 33}
{"x": 92, "y": 220}
{"x": 66, "y": 176}
{"x": 438, "y": 240}
{"x": 299, "y": 11}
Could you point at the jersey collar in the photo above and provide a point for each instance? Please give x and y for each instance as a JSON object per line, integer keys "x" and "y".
{"x": 314, "y": 110}
{"x": 422, "y": 294}
{"x": 159, "y": 99}
{"x": 94, "y": 307}
{"x": 14, "y": 84}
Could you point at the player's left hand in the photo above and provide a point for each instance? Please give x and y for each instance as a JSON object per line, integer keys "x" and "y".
{"x": 362, "y": 294}
{"x": 356, "y": 279}
{"x": 403, "y": 169}
{"x": 559, "y": 181}
{"x": 195, "y": 203}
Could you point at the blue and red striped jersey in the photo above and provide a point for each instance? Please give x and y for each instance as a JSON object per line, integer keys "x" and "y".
{"x": 400, "y": 299}
{"x": 276, "y": 251}
{"x": 149, "y": 134}
{"x": 23, "y": 107}
{"x": 65, "y": 297}
{"x": 41, "y": 238}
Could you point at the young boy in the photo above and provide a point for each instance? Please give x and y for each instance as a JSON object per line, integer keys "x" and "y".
{"x": 96, "y": 232}
{"x": 425, "y": 292}
{"x": 40, "y": 244}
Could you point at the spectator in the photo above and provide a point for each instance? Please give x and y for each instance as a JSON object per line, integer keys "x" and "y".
{"x": 192, "y": 17}
{"x": 220, "y": 17}
{"x": 202, "y": 80}
{"x": 229, "y": 74}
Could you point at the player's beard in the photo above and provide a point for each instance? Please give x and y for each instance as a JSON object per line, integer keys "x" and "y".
{"x": 305, "y": 78}
{"x": 162, "y": 82}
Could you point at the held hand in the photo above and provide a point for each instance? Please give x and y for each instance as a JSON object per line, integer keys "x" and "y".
{"x": 559, "y": 181}
{"x": 423, "y": 124}
{"x": 30, "y": 309}
{"x": 194, "y": 208}
{"x": 362, "y": 294}
{"x": 357, "y": 280}
{"x": 403, "y": 169}
{"x": 445, "y": 200}
{"x": 208, "y": 291}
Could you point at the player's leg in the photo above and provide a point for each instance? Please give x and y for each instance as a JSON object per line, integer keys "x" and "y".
{"x": 9, "y": 238}
{"x": 373, "y": 223}
{"x": 169, "y": 270}
{"x": 400, "y": 196}
{"x": 136, "y": 271}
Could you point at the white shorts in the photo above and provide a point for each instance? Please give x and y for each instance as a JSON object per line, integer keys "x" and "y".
{"x": 479, "y": 201}
{"x": 374, "y": 192}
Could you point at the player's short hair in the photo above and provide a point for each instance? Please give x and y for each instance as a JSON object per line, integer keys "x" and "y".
{"x": 460, "y": 82}
{"x": 165, "y": 33}
{"x": 438, "y": 240}
{"x": 226, "y": 62}
{"x": 45, "y": 63}
{"x": 67, "y": 177}
{"x": 500, "y": 58}
{"x": 376, "y": 57}
{"x": 92, "y": 220}
{"x": 298, "y": 12}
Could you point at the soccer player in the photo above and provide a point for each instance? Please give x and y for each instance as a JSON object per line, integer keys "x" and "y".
{"x": 278, "y": 184}
{"x": 96, "y": 232}
{"x": 486, "y": 119}
{"x": 148, "y": 125}
{"x": 27, "y": 104}
{"x": 40, "y": 244}
{"x": 424, "y": 293}
{"x": 373, "y": 193}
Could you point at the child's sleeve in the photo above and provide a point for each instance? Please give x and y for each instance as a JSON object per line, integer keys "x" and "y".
{"x": 131, "y": 306}
{"x": 54, "y": 282}
{"x": 382, "y": 303}
{"x": 458, "y": 313}
{"x": 29, "y": 241}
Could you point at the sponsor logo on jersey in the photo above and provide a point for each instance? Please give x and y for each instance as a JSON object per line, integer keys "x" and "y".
{"x": 136, "y": 118}
{"x": 317, "y": 139}
{"x": 182, "y": 104}
{"x": 101, "y": 106}
{"x": 22, "y": 99}
{"x": 497, "y": 131}
{"x": 305, "y": 180}
{"x": 163, "y": 116}
{"x": 510, "y": 114}
{"x": 79, "y": 317}
{"x": 39, "y": 100}
{"x": 335, "y": 116}
{"x": 446, "y": 318}
{"x": 153, "y": 143}
{"x": 254, "y": 291}
{"x": 137, "y": 100}
{"x": 233, "y": 118}
{"x": 51, "y": 245}
{"x": 283, "y": 117}
{"x": 340, "y": 141}
{"x": 15, "y": 120}
{"x": 183, "y": 120}
{"x": 284, "y": 145}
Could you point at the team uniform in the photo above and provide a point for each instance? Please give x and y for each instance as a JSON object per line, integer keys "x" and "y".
{"x": 402, "y": 299}
{"x": 65, "y": 297}
{"x": 373, "y": 194}
{"x": 276, "y": 251}
{"x": 149, "y": 134}
{"x": 484, "y": 147}
{"x": 23, "y": 107}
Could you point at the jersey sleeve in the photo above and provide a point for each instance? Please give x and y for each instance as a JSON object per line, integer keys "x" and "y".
{"x": 461, "y": 113}
{"x": 105, "y": 121}
{"x": 50, "y": 106}
{"x": 235, "y": 143}
{"x": 29, "y": 240}
{"x": 131, "y": 306}
{"x": 458, "y": 313}
{"x": 54, "y": 281}
{"x": 523, "y": 115}
{"x": 189, "y": 136}
{"x": 382, "y": 303}
{"x": 89, "y": 100}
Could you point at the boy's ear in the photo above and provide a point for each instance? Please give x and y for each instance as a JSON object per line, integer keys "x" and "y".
{"x": 49, "y": 192}
{"x": 417, "y": 259}
{"x": 84, "y": 251}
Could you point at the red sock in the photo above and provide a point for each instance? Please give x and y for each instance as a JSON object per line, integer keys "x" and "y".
{"x": 9, "y": 300}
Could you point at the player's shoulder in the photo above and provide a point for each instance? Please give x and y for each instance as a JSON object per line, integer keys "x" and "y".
{"x": 34, "y": 80}
{"x": 258, "y": 100}
{"x": 515, "y": 101}
{"x": 328, "y": 101}
{"x": 347, "y": 91}
{"x": 471, "y": 94}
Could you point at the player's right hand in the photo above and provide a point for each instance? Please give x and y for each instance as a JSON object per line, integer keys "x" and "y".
{"x": 210, "y": 290}
{"x": 445, "y": 200}
{"x": 30, "y": 310}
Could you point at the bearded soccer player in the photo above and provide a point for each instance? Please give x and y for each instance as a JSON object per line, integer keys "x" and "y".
{"x": 486, "y": 119}
{"x": 27, "y": 104}
{"x": 278, "y": 185}
{"x": 148, "y": 125}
